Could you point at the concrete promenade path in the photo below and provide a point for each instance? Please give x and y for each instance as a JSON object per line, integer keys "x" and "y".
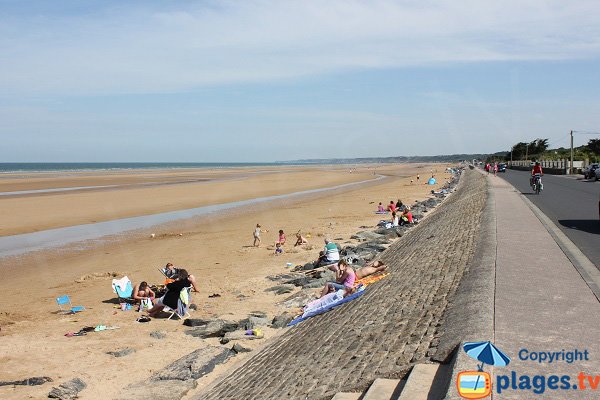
{"x": 542, "y": 304}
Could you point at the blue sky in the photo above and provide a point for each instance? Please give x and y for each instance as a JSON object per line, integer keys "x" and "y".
{"x": 245, "y": 81}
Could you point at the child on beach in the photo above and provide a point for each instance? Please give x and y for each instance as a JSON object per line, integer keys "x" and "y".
{"x": 381, "y": 209}
{"x": 278, "y": 249}
{"x": 256, "y": 235}
{"x": 394, "y": 219}
{"x": 300, "y": 240}
{"x": 281, "y": 239}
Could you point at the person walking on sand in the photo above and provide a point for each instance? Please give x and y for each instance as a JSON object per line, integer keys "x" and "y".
{"x": 256, "y": 235}
{"x": 418, "y": 177}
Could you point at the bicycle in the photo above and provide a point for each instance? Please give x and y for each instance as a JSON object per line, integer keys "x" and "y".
{"x": 536, "y": 184}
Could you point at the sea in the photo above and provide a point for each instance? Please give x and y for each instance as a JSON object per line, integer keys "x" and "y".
{"x": 106, "y": 166}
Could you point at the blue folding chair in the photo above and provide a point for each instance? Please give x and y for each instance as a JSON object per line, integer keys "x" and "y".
{"x": 127, "y": 293}
{"x": 65, "y": 300}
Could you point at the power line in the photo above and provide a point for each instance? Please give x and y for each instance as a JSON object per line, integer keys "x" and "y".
{"x": 586, "y": 133}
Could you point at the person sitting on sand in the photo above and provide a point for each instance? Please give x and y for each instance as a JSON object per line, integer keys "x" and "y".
{"x": 142, "y": 291}
{"x": 278, "y": 249}
{"x": 394, "y": 219}
{"x": 329, "y": 255}
{"x": 300, "y": 240}
{"x": 281, "y": 239}
{"x": 391, "y": 207}
{"x": 170, "y": 299}
{"x": 170, "y": 271}
{"x": 399, "y": 205}
{"x": 369, "y": 269}
{"x": 406, "y": 217}
{"x": 381, "y": 208}
{"x": 344, "y": 278}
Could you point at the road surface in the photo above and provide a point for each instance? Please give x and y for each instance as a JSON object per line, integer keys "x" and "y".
{"x": 571, "y": 203}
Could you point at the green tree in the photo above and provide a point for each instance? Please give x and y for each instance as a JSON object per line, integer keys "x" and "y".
{"x": 594, "y": 146}
{"x": 538, "y": 147}
{"x": 519, "y": 150}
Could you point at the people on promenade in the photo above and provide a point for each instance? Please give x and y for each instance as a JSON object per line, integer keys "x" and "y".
{"x": 300, "y": 240}
{"x": 329, "y": 255}
{"x": 183, "y": 280}
{"x": 495, "y": 169}
{"x": 537, "y": 169}
{"x": 344, "y": 279}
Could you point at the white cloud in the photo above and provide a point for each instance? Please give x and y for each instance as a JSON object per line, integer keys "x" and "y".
{"x": 130, "y": 49}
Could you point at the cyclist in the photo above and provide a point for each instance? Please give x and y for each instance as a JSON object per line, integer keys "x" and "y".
{"x": 537, "y": 170}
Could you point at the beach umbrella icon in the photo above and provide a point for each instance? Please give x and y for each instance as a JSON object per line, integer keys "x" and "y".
{"x": 487, "y": 353}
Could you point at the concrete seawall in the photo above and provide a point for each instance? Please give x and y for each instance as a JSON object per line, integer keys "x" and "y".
{"x": 397, "y": 323}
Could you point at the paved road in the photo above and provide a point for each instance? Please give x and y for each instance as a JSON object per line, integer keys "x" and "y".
{"x": 572, "y": 204}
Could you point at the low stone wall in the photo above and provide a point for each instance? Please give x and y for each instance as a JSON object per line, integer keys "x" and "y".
{"x": 551, "y": 171}
{"x": 395, "y": 324}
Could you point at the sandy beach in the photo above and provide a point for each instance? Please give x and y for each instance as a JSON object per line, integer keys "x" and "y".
{"x": 217, "y": 249}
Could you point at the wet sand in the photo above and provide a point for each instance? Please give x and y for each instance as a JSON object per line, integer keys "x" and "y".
{"x": 217, "y": 249}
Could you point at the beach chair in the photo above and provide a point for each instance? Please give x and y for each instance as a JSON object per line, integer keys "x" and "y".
{"x": 64, "y": 303}
{"x": 123, "y": 288}
{"x": 168, "y": 280}
{"x": 183, "y": 305}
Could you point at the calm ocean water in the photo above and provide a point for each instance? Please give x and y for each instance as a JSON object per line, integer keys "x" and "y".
{"x": 49, "y": 167}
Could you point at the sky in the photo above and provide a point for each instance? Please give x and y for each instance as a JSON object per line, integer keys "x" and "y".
{"x": 261, "y": 81}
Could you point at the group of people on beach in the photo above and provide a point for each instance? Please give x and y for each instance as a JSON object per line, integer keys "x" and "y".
{"x": 176, "y": 279}
{"x": 281, "y": 239}
{"x": 346, "y": 276}
{"x": 400, "y": 213}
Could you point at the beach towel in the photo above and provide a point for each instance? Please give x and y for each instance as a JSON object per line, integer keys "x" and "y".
{"x": 328, "y": 307}
{"x": 182, "y": 305}
{"x": 367, "y": 280}
{"x": 121, "y": 283}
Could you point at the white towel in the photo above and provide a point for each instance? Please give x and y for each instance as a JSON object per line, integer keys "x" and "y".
{"x": 121, "y": 283}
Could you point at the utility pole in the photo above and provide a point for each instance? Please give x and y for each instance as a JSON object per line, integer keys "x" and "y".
{"x": 571, "y": 171}
{"x": 527, "y": 152}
